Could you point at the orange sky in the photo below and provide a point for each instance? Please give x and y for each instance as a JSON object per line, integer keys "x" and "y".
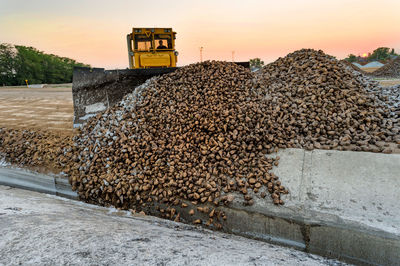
{"x": 94, "y": 32}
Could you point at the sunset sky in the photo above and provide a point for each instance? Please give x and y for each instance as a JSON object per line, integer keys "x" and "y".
{"x": 94, "y": 32}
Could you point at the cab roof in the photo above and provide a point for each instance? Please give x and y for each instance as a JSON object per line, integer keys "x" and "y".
{"x": 153, "y": 30}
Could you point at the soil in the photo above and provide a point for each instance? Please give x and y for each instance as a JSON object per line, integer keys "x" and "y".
{"x": 49, "y": 108}
{"x": 370, "y": 69}
{"x": 389, "y": 82}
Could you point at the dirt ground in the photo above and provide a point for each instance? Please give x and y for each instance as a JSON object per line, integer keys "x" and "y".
{"x": 370, "y": 69}
{"x": 389, "y": 82}
{"x": 45, "y": 108}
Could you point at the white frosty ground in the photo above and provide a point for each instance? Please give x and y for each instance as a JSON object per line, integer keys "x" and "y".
{"x": 3, "y": 160}
{"x": 40, "y": 229}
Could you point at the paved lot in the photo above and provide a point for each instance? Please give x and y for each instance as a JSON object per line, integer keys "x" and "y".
{"x": 41, "y": 229}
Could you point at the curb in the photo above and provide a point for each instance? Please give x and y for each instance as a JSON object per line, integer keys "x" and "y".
{"x": 50, "y": 184}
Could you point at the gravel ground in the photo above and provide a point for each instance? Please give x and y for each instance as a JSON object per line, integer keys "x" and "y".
{"x": 47, "y": 230}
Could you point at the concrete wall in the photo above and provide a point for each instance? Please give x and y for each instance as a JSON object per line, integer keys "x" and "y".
{"x": 50, "y": 184}
{"x": 341, "y": 204}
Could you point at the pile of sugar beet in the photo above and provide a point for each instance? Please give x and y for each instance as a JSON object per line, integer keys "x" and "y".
{"x": 389, "y": 70}
{"x": 200, "y": 134}
{"x": 206, "y": 134}
{"x": 38, "y": 150}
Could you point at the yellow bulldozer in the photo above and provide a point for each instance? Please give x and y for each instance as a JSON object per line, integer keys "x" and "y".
{"x": 151, "y": 52}
{"x": 151, "y": 48}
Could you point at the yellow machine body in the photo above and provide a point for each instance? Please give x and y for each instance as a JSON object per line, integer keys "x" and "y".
{"x": 145, "y": 51}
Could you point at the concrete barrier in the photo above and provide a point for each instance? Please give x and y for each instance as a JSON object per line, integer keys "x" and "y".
{"x": 342, "y": 204}
{"x": 50, "y": 184}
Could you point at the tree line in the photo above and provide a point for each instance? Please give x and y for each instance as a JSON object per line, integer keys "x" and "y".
{"x": 379, "y": 54}
{"x": 19, "y": 63}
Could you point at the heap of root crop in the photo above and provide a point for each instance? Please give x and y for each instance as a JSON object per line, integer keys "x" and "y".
{"x": 193, "y": 135}
{"x": 354, "y": 67}
{"x": 203, "y": 132}
{"x": 389, "y": 70}
{"x": 36, "y": 149}
{"x": 200, "y": 135}
{"x": 318, "y": 102}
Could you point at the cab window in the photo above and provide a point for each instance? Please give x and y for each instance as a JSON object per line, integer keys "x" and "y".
{"x": 166, "y": 41}
{"x": 143, "y": 43}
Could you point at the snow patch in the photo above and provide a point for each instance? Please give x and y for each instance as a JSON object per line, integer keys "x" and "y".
{"x": 3, "y": 161}
{"x": 95, "y": 108}
{"x": 86, "y": 117}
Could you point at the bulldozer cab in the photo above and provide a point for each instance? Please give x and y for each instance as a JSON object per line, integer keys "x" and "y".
{"x": 152, "y": 48}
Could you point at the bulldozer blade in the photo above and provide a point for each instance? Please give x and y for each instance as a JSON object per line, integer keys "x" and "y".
{"x": 95, "y": 89}
{"x": 245, "y": 64}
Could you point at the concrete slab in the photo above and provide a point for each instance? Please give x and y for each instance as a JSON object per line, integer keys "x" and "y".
{"x": 341, "y": 204}
{"x": 361, "y": 187}
{"x": 334, "y": 186}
